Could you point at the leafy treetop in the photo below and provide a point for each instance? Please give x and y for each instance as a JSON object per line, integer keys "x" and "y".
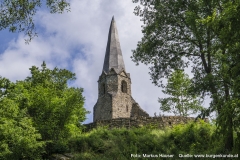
{"x": 17, "y": 15}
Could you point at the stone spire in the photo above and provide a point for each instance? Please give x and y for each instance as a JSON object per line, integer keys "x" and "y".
{"x": 113, "y": 55}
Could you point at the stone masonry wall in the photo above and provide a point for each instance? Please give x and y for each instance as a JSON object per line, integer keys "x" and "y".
{"x": 137, "y": 111}
{"x": 158, "y": 122}
{"x": 121, "y": 105}
{"x": 103, "y": 109}
{"x": 115, "y": 99}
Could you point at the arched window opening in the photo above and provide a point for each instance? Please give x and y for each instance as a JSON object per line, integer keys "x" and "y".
{"x": 103, "y": 88}
{"x": 124, "y": 86}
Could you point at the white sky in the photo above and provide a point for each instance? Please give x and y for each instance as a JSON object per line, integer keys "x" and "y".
{"x": 77, "y": 41}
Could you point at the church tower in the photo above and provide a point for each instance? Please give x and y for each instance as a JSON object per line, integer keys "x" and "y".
{"x": 114, "y": 84}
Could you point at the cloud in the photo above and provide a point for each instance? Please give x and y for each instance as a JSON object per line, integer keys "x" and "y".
{"x": 77, "y": 41}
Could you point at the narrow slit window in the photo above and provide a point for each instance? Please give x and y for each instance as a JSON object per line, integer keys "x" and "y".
{"x": 103, "y": 87}
{"x": 124, "y": 86}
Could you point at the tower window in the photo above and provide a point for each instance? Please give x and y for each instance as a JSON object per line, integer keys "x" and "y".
{"x": 103, "y": 88}
{"x": 126, "y": 108}
{"x": 124, "y": 86}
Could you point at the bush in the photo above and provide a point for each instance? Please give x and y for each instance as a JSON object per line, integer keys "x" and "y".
{"x": 192, "y": 138}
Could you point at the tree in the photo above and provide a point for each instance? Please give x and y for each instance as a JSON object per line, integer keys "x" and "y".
{"x": 17, "y": 15}
{"x": 225, "y": 24}
{"x": 18, "y": 138}
{"x": 56, "y": 109}
{"x": 49, "y": 105}
{"x": 179, "y": 34}
{"x": 181, "y": 102}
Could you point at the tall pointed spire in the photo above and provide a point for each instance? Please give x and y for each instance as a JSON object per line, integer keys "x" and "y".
{"x": 113, "y": 55}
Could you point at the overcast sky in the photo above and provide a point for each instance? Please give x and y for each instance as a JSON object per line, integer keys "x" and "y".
{"x": 77, "y": 41}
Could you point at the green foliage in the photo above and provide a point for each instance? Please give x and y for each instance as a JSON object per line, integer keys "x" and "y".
{"x": 173, "y": 37}
{"x": 224, "y": 22}
{"x": 119, "y": 143}
{"x": 226, "y": 26}
{"x": 17, "y": 15}
{"x": 192, "y": 138}
{"x": 18, "y": 137}
{"x": 180, "y": 102}
{"x": 40, "y": 112}
{"x": 57, "y": 110}
{"x": 201, "y": 34}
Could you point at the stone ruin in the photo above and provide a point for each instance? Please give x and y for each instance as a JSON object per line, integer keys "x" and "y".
{"x": 115, "y": 106}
